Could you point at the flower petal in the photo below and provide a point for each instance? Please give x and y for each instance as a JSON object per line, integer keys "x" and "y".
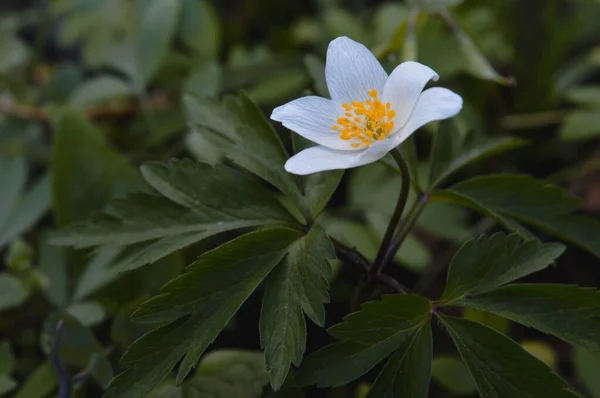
{"x": 403, "y": 88}
{"x": 320, "y": 158}
{"x": 313, "y": 118}
{"x": 352, "y": 71}
{"x": 435, "y": 103}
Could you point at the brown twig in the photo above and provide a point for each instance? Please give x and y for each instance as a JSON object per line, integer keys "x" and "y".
{"x": 129, "y": 108}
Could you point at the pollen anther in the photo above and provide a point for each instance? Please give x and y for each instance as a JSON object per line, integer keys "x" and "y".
{"x": 365, "y": 122}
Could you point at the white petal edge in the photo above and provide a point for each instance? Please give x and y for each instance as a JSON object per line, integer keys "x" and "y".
{"x": 313, "y": 118}
{"x": 351, "y": 71}
{"x": 403, "y": 88}
{"x": 320, "y": 158}
{"x": 436, "y": 103}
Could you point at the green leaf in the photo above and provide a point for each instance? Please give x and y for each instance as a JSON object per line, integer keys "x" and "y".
{"x": 32, "y": 205}
{"x": 368, "y": 336}
{"x": 7, "y": 384}
{"x": 200, "y": 28}
{"x": 88, "y": 313}
{"x": 486, "y": 263}
{"x": 198, "y": 304}
{"x": 96, "y": 273}
{"x": 83, "y": 180}
{"x": 496, "y": 322}
{"x": 222, "y": 374}
{"x": 204, "y": 80}
{"x": 316, "y": 70}
{"x": 580, "y": 125}
{"x": 382, "y": 320}
{"x": 588, "y": 96}
{"x": 317, "y": 188}
{"x": 12, "y": 292}
{"x": 449, "y": 154}
{"x": 7, "y": 361}
{"x": 476, "y": 63}
{"x": 408, "y": 372}
{"x": 245, "y": 136}
{"x": 500, "y": 367}
{"x": 341, "y": 22}
{"x": 587, "y": 365}
{"x": 507, "y": 198}
{"x": 340, "y": 363}
{"x": 40, "y": 383}
{"x": 156, "y": 32}
{"x": 191, "y": 209}
{"x": 53, "y": 265}
{"x": 569, "y": 312}
{"x": 13, "y": 177}
{"x": 98, "y": 89}
{"x": 451, "y": 373}
{"x": 299, "y": 284}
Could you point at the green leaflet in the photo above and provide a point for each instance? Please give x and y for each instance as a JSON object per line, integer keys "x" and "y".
{"x": 449, "y": 153}
{"x": 300, "y": 284}
{"x": 84, "y": 180}
{"x": 488, "y": 262}
{"x": 368, "y": 336}
{"x": 191, "y": 209}
{"x": 237, "y": 125}
{"x": 571, "y": 313}
{"x": 198, "y": 305}
{"x": 501, "y": 368}
{"x": 408, "y": 372}
{"x": 507, "y": 198}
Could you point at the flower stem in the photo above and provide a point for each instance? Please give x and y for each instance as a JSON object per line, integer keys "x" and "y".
{"x": 411, "y": 219}
{"x": 378, "y": 264}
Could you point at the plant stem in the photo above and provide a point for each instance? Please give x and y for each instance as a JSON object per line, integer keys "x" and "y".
{"x": 411, "y": 219}
{"x": 378, "y": 264}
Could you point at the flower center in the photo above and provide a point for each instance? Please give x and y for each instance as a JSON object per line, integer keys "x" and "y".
{"x": 366, "y": 122}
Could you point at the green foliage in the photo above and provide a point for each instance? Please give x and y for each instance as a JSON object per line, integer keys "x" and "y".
{"x": 500, "y": 366}
{"x": 163, "y": 270}
{"x": 510, "y": 198}
{"x": 300, "y": 284}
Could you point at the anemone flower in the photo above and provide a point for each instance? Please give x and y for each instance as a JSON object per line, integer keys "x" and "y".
{"x": 369, "y": 113}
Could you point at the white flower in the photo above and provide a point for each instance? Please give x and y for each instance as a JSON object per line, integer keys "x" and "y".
{"x": 369, "y": 112}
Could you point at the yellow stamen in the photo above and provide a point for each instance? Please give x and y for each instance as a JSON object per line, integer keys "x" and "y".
{"x": 366, "y": 122}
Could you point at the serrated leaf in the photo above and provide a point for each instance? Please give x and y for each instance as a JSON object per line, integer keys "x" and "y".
{"x": 569, "y": 312}
{"x": 98, "y": 89}
{"x": 408, "y": 372}
{"x": 486, "y": 263}
{"x": 239, "y": 129}
{"x": 199, "y": 304}
{"x": 383, "y": 319}
{"x": 449, "y": 154}
{"x": 222, "y": 374}
{"x": 83, "y": 180}
{"x": 156, "y": 31}
{"x": 500, "y": 367}
{"x": 192, "y": 209}
{"x": 368, "y": 336}
{"x": 316, "y": 188}
{"x": 299, "y": 284}
{"x": 507, "y": 198}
